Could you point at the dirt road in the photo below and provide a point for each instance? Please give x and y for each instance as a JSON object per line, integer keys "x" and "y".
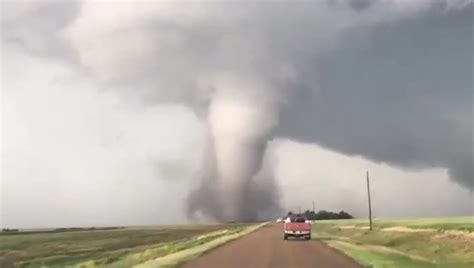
{"x": 266, "y": 248}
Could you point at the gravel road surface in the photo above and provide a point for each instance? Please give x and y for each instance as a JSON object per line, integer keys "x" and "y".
{"x": 266, "y": 248}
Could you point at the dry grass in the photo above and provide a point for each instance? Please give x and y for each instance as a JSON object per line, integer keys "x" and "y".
{"x": 180, "y": 257}
{"x": 99, "y": 247}
{"x": 403, "y": 243}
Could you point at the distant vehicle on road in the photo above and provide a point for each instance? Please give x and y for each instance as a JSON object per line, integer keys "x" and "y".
{"x": 297, "y": 227}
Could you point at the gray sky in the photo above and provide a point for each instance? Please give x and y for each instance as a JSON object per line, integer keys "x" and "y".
{"x": 104, "y": 106}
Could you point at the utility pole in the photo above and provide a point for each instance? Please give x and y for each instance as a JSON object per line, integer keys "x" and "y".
{"x": 370, "y": 205}
{"x": 313, "y": 206}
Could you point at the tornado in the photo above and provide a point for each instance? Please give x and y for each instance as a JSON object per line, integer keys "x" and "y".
{"x": 240, "y": 123}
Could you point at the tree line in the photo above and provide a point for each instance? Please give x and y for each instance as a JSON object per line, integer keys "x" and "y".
{"x": 323, "y": 215}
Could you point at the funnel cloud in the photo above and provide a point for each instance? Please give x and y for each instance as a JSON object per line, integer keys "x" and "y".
{"x": 239, "y": 128}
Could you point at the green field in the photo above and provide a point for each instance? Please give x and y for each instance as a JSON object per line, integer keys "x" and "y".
{"x": 427, "y": 242}
{"x": 105, "y": 248}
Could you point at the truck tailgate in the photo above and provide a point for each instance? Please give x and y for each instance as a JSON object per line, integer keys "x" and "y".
{"x": 297, "y": 226}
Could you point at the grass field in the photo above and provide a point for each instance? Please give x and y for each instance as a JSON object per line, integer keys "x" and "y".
{"x": 105, "y": 248}
{"x": 178, "y": 258}
{"x": 427, "y": 242}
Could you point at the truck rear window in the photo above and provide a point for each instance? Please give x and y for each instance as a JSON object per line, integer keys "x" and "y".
{"x": 299, "y": 220}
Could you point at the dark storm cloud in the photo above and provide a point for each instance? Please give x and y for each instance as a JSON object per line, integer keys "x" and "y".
{"x": 402, "y": 94}
{"x": 34, "y": 25}
{"x": 390, "y": 80}
{"x": 358, "y": 5}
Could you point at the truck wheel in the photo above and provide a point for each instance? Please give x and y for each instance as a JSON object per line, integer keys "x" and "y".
{"x": 285, "y": 237}
{"x": 308, "y": 237}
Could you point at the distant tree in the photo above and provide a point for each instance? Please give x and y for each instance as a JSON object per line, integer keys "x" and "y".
{"x": 7, "y": 230}
{"x": 326, "y": 215}
{"x": 344, "y": 215}
{"x": 310, "y": 215}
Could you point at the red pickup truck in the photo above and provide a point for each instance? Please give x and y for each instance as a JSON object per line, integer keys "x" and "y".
{"x": 297, "y": 227}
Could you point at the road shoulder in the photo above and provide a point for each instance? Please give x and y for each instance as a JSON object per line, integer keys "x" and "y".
{"x": 178, "y": 258}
